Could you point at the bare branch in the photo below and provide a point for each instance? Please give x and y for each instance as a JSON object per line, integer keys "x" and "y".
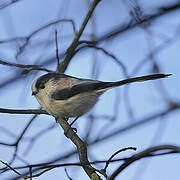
{"x": 81, "y": 148}
{"x": 25, "y": 67}
{"x": 135, "y": 124}
{"x": 146, "y": 153}
{"x": 67, "y": 174}
{"x": 25, "y": 111}
{"x": 117, "y": 152}
{"x": 24, "y": 177}
{"x": 150, "y": 152}
{"x": 27, "y": 39}
{"x": 70, "y": 51}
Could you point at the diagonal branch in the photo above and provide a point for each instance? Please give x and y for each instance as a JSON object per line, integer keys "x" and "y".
{"x": 81, "y": 149}
{"x": 70, "y": 51}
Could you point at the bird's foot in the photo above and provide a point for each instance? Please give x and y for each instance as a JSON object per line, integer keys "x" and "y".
{"x": 56, "y": 118}
{"x": 66, "y": 132}
{"x": 74, "y": 129}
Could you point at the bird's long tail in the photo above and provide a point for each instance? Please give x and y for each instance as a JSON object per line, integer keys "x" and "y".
{"x": 109, "y": 85}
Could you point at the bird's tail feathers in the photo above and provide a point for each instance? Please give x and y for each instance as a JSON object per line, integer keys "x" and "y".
{"x": 109, "y": 85}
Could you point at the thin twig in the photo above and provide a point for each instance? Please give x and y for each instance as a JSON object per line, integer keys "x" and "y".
{"x": 67, "y": 174}
{"x": 27, "y": 39}
{"x": 57, "y": 51}
{"x": 117, "y": 152}
{"x": 21, "y": 175}
{"x": 23, "y": 66}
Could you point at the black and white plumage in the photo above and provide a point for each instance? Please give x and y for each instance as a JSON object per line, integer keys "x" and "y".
{"x": 66, "y": 96}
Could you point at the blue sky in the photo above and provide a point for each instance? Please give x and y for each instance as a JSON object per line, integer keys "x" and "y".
{"x": 131, "y": 48}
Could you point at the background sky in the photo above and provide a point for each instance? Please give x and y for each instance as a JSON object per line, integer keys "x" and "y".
{"x": 146, "y": 49}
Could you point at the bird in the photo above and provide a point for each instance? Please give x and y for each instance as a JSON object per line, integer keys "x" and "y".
{"x": 64, "y": 96}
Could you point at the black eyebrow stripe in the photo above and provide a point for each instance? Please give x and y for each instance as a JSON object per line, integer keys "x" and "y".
{"x": 67, "y": 93}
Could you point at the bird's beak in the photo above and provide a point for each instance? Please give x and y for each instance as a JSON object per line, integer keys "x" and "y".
{"x": 34, "y": 93}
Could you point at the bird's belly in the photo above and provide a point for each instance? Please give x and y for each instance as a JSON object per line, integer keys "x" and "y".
{"x": 74, "y": 106}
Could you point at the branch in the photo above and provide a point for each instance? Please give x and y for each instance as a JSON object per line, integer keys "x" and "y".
{"x": 23, "y": 66}
{"x": 146, "y": 153}
{"x": 70, "y": 51}
{"x": 117, "y": 152}
{"x": 141, "y": 122}
{"x": 16, "y": 144}
{"x": 135, "y": 124}
{"x": 21, "y": 111}
{"x": 148, "y": 19}
{"x": 23, "y": 176}
{"x": 81, "y": 148}
{"x": 173, "y": 149}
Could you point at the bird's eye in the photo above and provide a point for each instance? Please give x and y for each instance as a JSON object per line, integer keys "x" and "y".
{"x": 42, "y": 86}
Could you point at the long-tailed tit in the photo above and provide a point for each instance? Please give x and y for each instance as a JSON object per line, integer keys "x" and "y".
{"x": 65, "y": 96}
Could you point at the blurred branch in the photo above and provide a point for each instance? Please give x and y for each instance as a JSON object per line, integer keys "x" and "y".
{"x": 114, "y": 32}
{"x": 27, "y": 39}
{"x": 164, "y": 10}
{"x": 146, "y": 153}
{"x": 36, "y": 136}
{"x": 45, "y": 165}
{"x": 16, "y": 144}
{"x": 53, "y": 23}
{"x": 106, "y": 53}
{"x": 24, "y": 176}
{"x": 25, "y": 67}
{"x": 67, "y": 174}
{"x": 81, "y": 146}
{"x": 156, "y": 50}
{"x": 37, "y": 30}
{"x": 141, "y": 122}
{"x": 9, "y": 4}
{"x": 13, "y": 169}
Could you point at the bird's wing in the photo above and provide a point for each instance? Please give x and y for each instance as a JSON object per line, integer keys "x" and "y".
{"x": 81, "y": 87}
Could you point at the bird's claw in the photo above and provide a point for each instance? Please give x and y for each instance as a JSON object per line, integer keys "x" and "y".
{"x": 66, "y": 132}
